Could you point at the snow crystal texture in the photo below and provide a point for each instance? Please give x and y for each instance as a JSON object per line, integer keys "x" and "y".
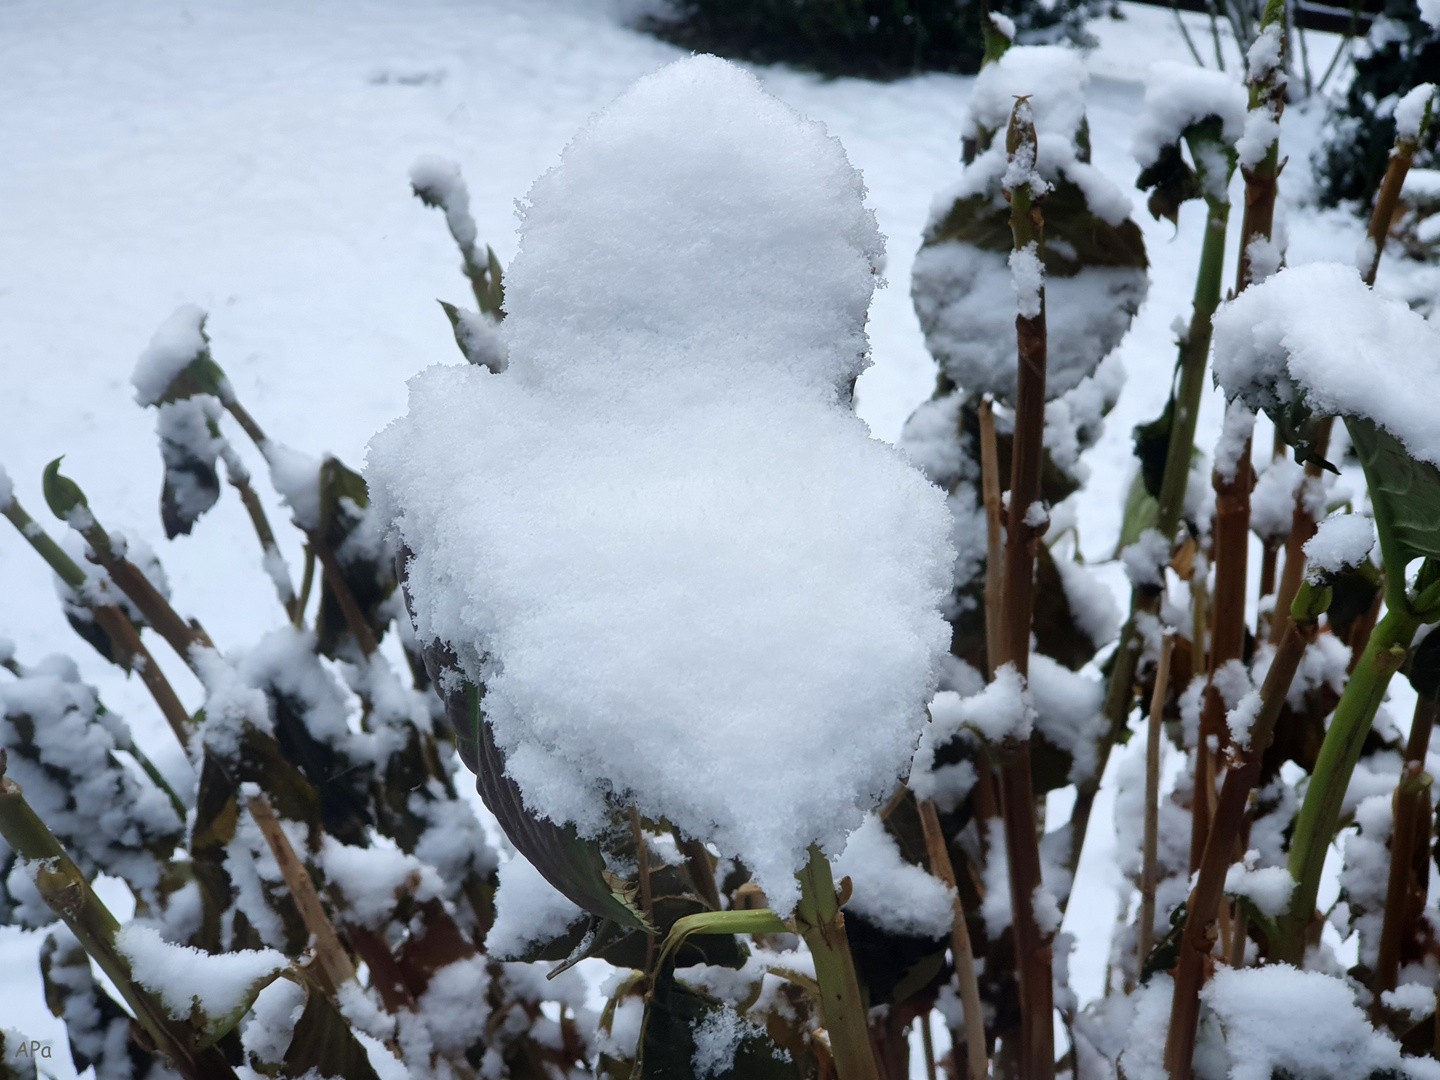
{"x": 684, "y": 572}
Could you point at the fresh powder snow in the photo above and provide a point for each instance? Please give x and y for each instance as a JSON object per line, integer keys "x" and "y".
{"x": 1320, "y": 329}
{"x": 661, "y": 539}
{"x": 185, "y": 978}
{"x": 1179, "y": 95}
{"x": 1341, "y": 541}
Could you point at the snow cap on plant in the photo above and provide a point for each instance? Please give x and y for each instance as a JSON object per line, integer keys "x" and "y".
{"x": 1093, "y": 254}
{"x": 683, "y": 572}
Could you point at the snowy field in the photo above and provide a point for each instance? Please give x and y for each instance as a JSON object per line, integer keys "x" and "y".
{"x": 252, "y": 158}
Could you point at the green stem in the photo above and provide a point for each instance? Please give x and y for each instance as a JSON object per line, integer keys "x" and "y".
{"x": 842, "y": 1010}
{"x": 64, "y": 888}
{"x": 47, "y": 549}
{"x": 1320, "y": 813}
{"x": 1193, "y": 352}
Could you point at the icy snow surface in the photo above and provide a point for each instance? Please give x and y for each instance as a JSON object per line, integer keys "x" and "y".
{"x": 298, "y": 232}
{"x": 661, "y": 536}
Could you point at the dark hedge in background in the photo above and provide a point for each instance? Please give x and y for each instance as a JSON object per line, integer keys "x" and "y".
{"x": 877, "y": 39}
{"x": 1401, "y": 52}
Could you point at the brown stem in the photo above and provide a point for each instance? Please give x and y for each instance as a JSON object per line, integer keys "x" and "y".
{"x": 1405, "y": 890}
{"x": 927, "y": 1045}
{"x": 297, "y": 615}
{"x": 994, "y": 557}
{"x": 1025, "y": 526}
{"x": 335, "y": 967}
{"x": 163, "y": 618}
{"x": 1227, "y": 635}
{"x": 271, "y": 550}
{"x": 1198, "y": 938}
{"x": 335, "y": 577}
{"x": 1401, "y": 158}
{"x": 126, "y": 640}
{"x": 941, "y": 867}
{"x": 1149, "y": 873}
{"x": 1361, "y": 629}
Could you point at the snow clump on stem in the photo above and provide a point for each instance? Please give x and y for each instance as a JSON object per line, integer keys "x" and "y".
{"x": 684, "y": 572}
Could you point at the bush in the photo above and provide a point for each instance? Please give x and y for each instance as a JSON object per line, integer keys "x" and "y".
{"x": 1400, "y": 52}
{"x": 876, "y": 39}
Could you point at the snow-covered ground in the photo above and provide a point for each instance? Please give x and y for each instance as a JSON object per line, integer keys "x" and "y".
{"x": 252, "y": 158}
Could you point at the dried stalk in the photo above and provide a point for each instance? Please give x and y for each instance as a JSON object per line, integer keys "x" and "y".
{"x": 1024, "y": 528}
{"x": 335, "y": 967}
{"x": 1198, "y": 939}
{"x": 941, "y": 867}
{"x": 1149, "y": 872}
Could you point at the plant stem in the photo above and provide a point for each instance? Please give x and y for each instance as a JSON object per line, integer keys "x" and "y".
{"x": 1198, "y": 938}
{"x": 1227, "y": 632}
{"x": 275, "y": 562}
{"x": 1406, "y": 890}
{"x": 1171, "y": 501}
{"x": 1320, "y": 812}
{"x": 994, "y": 557}
{"x": 821, "y": 924}
{"x": 1149, "y": 872}
{"x": 941, "y": 867}
{"x": 128, "y": 650}
{"x": 334, "y": 963}
{"x": 1024, "y": 528}
{"x": 1193, "y": 353}
{"x": 67, "y": 892}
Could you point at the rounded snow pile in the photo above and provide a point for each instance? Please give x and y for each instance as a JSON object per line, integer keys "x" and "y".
{"x": 685, "y": 573}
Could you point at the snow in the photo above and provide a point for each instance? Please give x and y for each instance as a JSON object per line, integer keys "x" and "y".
{"x": 1178, "y": 95}
{"x": 1341, "y": 541}
{"x": 669, "y": 452}
{"x": 1241, "y": 719}
{"x": 1266, "y": 54}
{"x": 296, "y": 476}
{"x": 1318, "y": 328}
{"x": 371, "y": 878}
{"x": 1004, "y": 24}
{"x": 1234, "y": 440}
{"x": 320, "y": 268}
{"x": 1052, "y": 77}
{"x": 1272, "y": 502}
{"x": 528, "y": 911}
{"x": 1412, "y": 999}
{"x": 180, "y": 339}
{"x": 1028, "y": 278}
{"x": 438, "y": 181}
{"x": 479, "y": 336}
{"x": 717, "y": 1038}
{"x": 1002, "y": 710}
{"x": 7, "y": 490}
{"x": 1265, "y": 1033}
{"x": 1411, "y": 109}
{"x": 1268, "y": 887}
{"x": 891, "y": 893}
{"x": 218, "y": 983}
{"x": 1146, "y": 559}
{"x": 1430, "y": 12}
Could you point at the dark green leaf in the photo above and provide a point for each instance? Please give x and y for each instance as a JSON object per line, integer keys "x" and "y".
{"x": 323, "y": 1042}
{"x": 1404, "y": 491}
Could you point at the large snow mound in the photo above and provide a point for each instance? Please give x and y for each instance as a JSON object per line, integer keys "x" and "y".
{"x": 685, "y": 573}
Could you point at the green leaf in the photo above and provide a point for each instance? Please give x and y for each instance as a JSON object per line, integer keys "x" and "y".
{"x": 1404, "y": 491}
{"x": 755, "y": 921}
{"x": 62, "y": 494}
